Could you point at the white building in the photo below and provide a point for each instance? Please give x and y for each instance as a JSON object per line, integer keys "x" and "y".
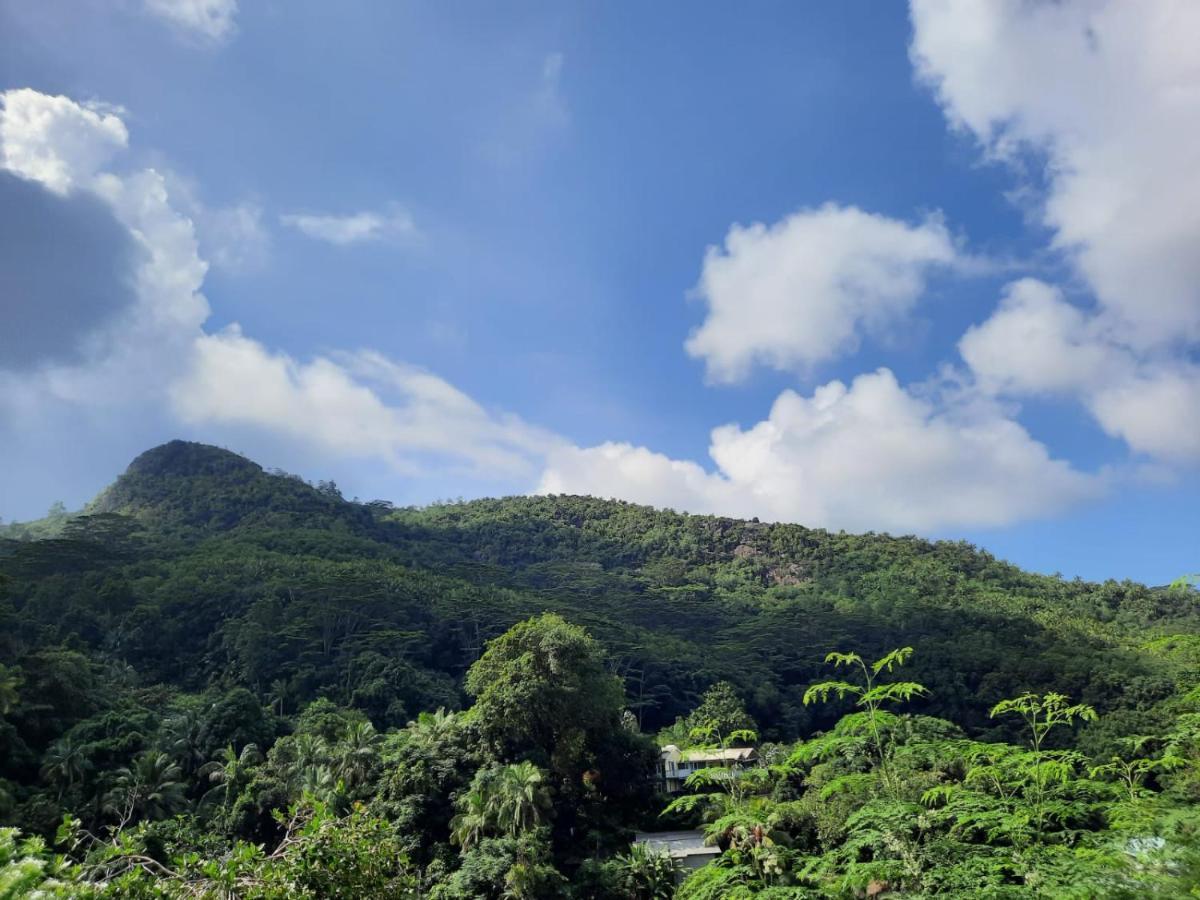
{"x": 675, "y": 765}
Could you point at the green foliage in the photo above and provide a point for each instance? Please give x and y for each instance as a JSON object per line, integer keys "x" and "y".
{"x": 503, "y": 801}
{"x": 720, "y": 712}
{"x": 542, "y": 689}
{"x": 28, "y": 871}
{"x": 871, "y": 696}
{"x": 150, "y": 788}
{"x": 224, "y": 678}
{"x": 644, "y": 874}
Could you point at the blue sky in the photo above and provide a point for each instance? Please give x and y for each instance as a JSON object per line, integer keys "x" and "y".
{"x": 847, "y": 264}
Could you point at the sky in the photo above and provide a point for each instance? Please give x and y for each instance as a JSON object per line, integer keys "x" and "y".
{"x": 929, "y": 268}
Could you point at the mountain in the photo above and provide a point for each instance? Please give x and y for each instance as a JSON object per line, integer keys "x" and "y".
{"x": 212, "y": 658}
{"x": 197, "y": 566}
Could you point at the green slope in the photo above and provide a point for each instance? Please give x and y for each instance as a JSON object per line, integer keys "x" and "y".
{"x": 198, "y": 567}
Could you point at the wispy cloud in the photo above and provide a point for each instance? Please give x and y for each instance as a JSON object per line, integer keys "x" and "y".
{"x": 212, "y": 20}
{"x": 353, "y": 228}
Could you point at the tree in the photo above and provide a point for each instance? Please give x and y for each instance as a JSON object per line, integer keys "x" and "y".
{"x": 721, "y": 711}
{"x": 1042, "y": 714}
{"x": 64, "y": 763}
{"x": 183, "y": 737}
{"x": 472, "y": 822}
{"x": 519, "y": 798}
{"x": 151, "y": 788}
{"x": 542, "y": 690}
{"x": 871, "y": 697}
{"x": 355, "y": 756}
{"x": 424, "y": 767}
{"x": 229, "y": 772}
{"x": 504, "y": 801}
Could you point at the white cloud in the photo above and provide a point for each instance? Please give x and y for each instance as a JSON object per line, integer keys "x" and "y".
{"x": 353, "y": 228}
{"x": 54, "y": 140}
{"x": 805, "y": 289}
{"x": 1109, "y": 93}
{"x": 868, "y": 456}
{"x": 209, "y": 19}
{"x": 1037, "y": 343}
{"x": 362, "y": 406}
{"x": 1156, "y": 412}
{"x": 157, "y": 359}
{"x": 62, "y": 145}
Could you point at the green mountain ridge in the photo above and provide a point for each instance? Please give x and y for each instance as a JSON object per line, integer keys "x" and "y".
{"x": 206, "y": 627}
{"x": 680, "y": 600}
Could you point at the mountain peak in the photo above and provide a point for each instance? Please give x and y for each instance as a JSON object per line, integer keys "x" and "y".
{"x": 199, "y": 485}
{"x": 188, "y": 459}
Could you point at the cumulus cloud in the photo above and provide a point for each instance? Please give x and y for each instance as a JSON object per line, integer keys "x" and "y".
{"x": 231, "y": 237}
{"x": 212, "y": 20}
{"x": 1037, "y": 343}
{"x": 62, "y": 147}
{"x": 54, "y": 140}
{"x": 353, "y": 228}
{"x": 151, "y": 353}
{"x": 1108, "y": 94}
{"x": 804, "y": 290}
{"x": 67, "y": 266}
{"x": 1118, "y": 131}
{"x": 871, "y": 455}
{"x": 360, "y": 406}
{"x": 1155, "y": 411}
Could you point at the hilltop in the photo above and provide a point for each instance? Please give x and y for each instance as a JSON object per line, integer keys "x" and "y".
{"x": 197, "y": 565}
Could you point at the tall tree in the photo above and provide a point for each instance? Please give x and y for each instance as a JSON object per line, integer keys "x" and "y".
{"x": 542, "y": 692}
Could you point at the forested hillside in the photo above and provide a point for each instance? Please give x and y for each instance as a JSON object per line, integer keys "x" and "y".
{"x": 211, "y": 639}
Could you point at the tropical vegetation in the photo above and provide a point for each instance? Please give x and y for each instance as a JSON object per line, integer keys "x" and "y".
{"x": 217, "y": 681}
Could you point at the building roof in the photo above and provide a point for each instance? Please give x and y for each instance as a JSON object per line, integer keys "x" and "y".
{"x": 731, "y": 754}
{"x": 677, "y": 844}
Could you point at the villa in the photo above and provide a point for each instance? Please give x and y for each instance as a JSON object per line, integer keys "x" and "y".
{"x": 675, "y": 765}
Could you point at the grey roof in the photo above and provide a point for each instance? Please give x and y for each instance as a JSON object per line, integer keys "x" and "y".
{"x": 731, "y": 754}
{"x": 676, "y": 843}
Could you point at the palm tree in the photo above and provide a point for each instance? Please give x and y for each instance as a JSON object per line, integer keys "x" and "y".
{"x": 152, "y": 788}
{"x": 229, "y": 772}
{"x": 507, "y": 800}
{"x": 183, "y": 735}
{"x": 277, "y": 694}
{"x": 309, "y": 754}
{"x": 472, "y": 822}
{"x": 64, "y": 763}
{"x": 356, "y": 754}
{"x": 519, "y": 798}
{"x": 433, "y": 728}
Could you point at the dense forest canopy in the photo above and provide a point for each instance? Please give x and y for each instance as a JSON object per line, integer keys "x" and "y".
{"x": 221, "y": 681}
